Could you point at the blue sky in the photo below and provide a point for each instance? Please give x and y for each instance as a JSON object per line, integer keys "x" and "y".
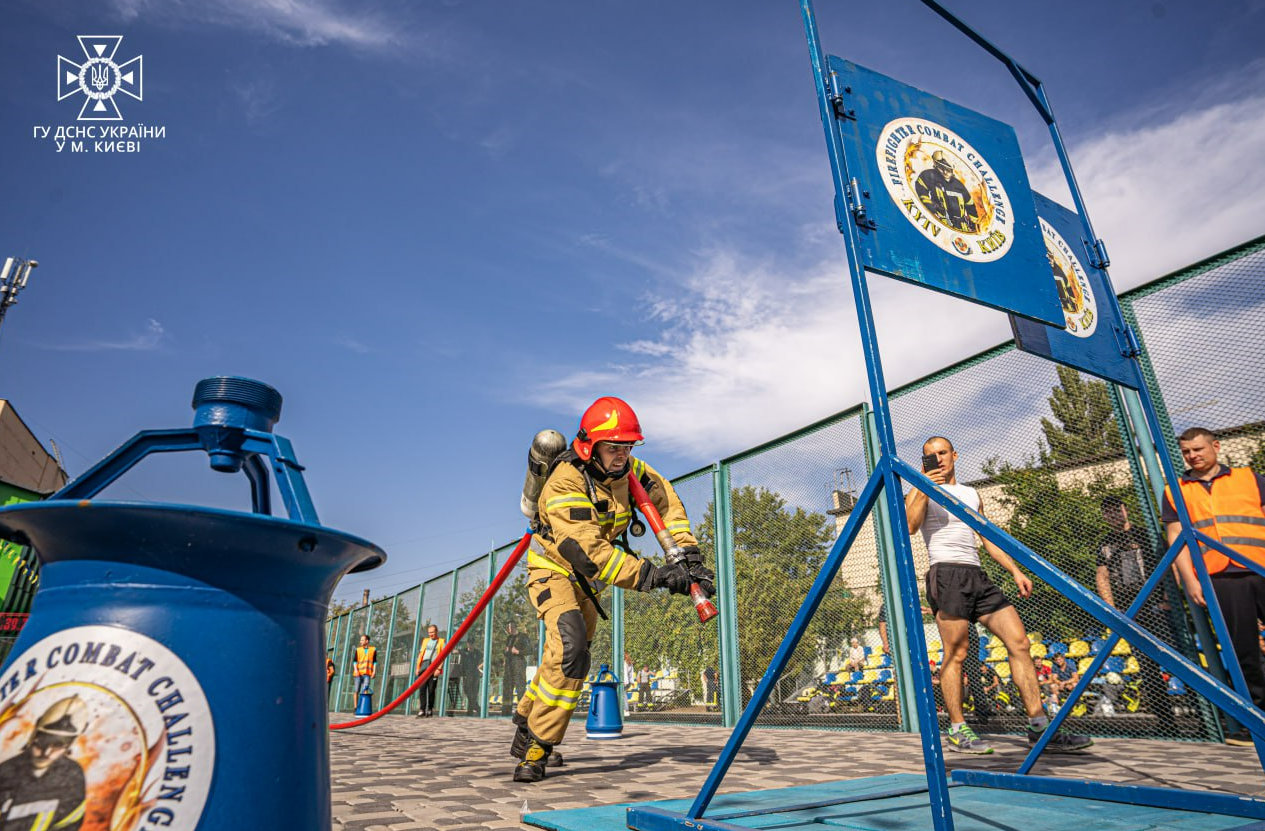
{"x": 440, "y": 227}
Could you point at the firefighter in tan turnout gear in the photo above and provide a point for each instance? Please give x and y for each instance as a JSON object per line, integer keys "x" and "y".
{"x": 579, "y": 547}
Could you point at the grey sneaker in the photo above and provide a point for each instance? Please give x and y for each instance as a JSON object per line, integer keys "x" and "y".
{"x": 965, "y": 741}
{"x": 1063, "y": 740}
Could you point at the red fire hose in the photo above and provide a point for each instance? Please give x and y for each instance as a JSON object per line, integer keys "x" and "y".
{"x": 671, "y": 551}
{"x": 438, "y": 660}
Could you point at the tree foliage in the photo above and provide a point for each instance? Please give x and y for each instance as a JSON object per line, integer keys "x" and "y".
{"x": 1062, "y": 525}
{"x": 1086, "y": 426}
{"x": 778, "y": 552}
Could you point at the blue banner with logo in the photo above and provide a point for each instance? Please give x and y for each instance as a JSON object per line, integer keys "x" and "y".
{"x": 945, "y": 194}
{"x": 1089, "y": 338}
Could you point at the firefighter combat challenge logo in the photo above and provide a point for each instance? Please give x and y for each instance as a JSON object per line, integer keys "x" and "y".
{"x": 1079, "y": 309}
{"x": 99, "y": 78}
{"x": 103, "y": 729}
{"x": 946, "y": 189}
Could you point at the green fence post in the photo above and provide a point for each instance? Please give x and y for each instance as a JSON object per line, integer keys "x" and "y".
{"x": 897, "y": 637}
{"x": 489, "y": 615}
{"x": 338, "y": 688}
{"x": 384, "y": 687}
{"x": 617, "y": 639}
{"x": 417, "y": 642}
{"x": 442, "y": 706}
{"x": 1149, "y": 450}
{"x": 726, "y": 597}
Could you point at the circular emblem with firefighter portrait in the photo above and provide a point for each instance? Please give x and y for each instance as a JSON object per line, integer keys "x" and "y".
{"x": 103, "y": 729}
{"x": 946, "y": 189}
{"x": 1077, "y": 298}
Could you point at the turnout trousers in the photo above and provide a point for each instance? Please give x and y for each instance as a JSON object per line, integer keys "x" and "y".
{"x": 570, "y": 620}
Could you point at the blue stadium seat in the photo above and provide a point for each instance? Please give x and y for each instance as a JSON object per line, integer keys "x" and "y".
{"x": 1056, "y": 648}
{"x": 1114, "y": 664}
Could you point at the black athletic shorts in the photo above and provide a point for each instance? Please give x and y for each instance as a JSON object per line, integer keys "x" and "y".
{"x": 963, "y": 591}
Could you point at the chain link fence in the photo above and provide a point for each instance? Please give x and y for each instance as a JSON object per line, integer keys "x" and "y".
{"x": 1056, "y": 463}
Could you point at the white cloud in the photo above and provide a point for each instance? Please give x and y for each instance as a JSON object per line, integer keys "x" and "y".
{"x": 753, "y": 346}
{"x": 150, "y": 338}
{"x": 1167, "y": 195}
{"x": 352, "y": 344}
{"x": 295, "y": 22}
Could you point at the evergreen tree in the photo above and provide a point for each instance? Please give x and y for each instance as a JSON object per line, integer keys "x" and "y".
{"x": 1086, "y": 426}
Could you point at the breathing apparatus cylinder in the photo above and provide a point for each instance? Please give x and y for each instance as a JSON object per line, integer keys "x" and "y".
{"x": 545, "y": 447}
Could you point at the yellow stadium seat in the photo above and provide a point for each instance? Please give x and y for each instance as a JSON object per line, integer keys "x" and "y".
{"x": 1038, "y": 650}
{"x": 1077, "y": 649}
{"x": 1121, "y": 648}
{"x": 870, "y": 676}
{"x": 1083, "y": 666}
{"x": 1203, "y": 660}
{"x": 994, "y": 642}
{"x": 1035, "y": 637}
{"x": 1002, "y": 670}
{"x": 997, "y": 653}
{"x": 1131, "y": 666}
{"x": 874, "y": 661}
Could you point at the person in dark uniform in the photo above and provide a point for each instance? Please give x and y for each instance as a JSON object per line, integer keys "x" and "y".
{"x": 940, "y": 190}
{"x": 43, "y": 787}
{"x": 514, "y": 680}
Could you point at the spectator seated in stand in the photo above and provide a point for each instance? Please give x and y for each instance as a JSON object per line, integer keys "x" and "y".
{"x": 856, "y": 656}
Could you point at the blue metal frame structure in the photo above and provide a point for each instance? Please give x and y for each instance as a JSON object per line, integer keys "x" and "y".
{"x": 888, "y": 473}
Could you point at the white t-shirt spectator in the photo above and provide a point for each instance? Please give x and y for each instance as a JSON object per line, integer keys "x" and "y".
{"x": 949, "y": 539}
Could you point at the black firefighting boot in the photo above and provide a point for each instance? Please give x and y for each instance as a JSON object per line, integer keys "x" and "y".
{"x": 532, "y": 768}
{"x": 518, "y": 747}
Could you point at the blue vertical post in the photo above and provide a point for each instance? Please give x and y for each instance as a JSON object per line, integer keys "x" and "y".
{"x": 730, "y": 690}
{"x": 933, "y": 752}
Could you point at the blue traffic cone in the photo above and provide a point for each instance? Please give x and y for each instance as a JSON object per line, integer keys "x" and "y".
{"x": 364, "y": 703}
{"x": 606, "y": 719}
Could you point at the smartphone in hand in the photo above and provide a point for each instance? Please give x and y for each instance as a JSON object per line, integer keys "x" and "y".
{"x": 930, "y": 462}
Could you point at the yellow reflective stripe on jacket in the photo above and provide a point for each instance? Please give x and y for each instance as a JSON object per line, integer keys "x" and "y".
{"x": 682, "y": 525}
{"x": 535, "y": 560}
{"x": 613, "y": 565}
{"x": 1229, "y": 511}
{"x": 638, "y": 468}
{"x": 553, "y": 697}
{"x": 572, "y": 498}
{"x": 365, "y": 659}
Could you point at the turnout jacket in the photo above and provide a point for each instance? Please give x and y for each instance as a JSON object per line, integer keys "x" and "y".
{"x": 583, "y": 515}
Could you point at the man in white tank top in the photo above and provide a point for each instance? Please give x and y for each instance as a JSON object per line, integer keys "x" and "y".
{"x": 960, "y": 593}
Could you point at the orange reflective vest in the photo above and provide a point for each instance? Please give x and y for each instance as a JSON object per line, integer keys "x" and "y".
{"x": 366, "y": 659}
{"x": 1230, "y": 512}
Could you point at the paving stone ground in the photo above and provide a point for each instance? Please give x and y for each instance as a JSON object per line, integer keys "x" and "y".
{"x": 454, "y": 774}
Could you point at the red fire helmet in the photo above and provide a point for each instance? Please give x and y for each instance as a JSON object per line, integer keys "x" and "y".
{"x": 607, "y": 419}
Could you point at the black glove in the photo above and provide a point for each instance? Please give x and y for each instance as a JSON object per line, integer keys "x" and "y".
{"x": 705, "y": 579}
{"x": 674, "y": 578}
{"x": 699, "y": 573}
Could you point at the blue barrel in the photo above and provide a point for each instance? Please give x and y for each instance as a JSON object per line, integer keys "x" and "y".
{"x": 177, "y": 653}
{"x": 606, "y": 716}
